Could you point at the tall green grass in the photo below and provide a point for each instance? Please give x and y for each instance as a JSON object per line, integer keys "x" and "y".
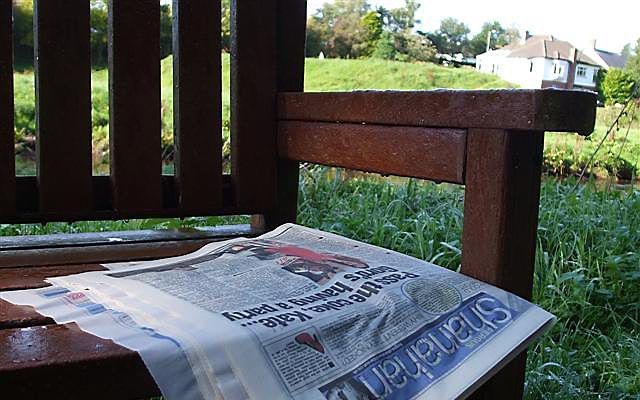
{"x": 587, "y": 267}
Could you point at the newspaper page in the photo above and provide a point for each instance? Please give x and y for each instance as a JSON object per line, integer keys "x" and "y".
{"x": 299, "y": 314}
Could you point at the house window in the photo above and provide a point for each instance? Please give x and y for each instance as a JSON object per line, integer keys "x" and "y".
{"x": 581, "y": 71}
{"x": 557, "y": 68}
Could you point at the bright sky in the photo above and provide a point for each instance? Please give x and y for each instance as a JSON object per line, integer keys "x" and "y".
{"x": 613, "y": 23}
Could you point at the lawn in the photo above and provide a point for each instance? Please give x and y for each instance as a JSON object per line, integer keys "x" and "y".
{"x": 565, "y": 154}
{"x": 321, "y": 75}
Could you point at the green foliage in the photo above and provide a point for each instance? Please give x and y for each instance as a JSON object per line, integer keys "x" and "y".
{"x": 618, "y": 86}
{"x": 24, "y": 40}
{"x": 451, "y": 38}
{"x": 499, "y": 37}
{"x": 99, "y": 35}
{"x": 633, "y": 62}
{"x": 385, "y": 47}
{"x": 403, "y": 47}
{"x": 602, "y": 73}
{"x": 226, "y": 25}
{"x": 337, "y": 28}
{"x": 373, "y": 23}
{"x": 23, "y": 34}
{"x": 351, "y": 29}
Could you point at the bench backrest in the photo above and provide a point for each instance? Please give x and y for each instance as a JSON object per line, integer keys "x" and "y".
{"x": 267, "y": 57}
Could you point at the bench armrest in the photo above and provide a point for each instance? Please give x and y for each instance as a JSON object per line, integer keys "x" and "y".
{"x": 514, "y": 109}
{"x": 421, "y": 134}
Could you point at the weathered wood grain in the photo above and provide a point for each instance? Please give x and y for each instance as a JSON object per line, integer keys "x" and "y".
{"x": 101, "y": 248}
{"x": 253, "y": 102}
{"x": 197, "y": 103}
{"x": 429, "y": 153}
{"x": 31, "y": 277}
{"x": 540, "y": 110}
{"x": 28, "y": 212}
{"x": 13, "y": 316}
{"x": 7, "y": 157}
{"x": 134, "y": 104}
{"x": 63, "y": 105}
{"x": 45, "y": 360}
{"x": 500, "y": 220}
{"x": 291, "y": 33}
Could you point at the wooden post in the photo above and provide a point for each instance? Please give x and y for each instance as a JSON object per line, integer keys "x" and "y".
{"x": 134, "y": 105}
{"x": 7, "y": 157}
{"x": 500, "y": 222}
{"x": 197, "y": 109}
{"x": 253, "y": 97}
{"x": 290, "y": 39}
{"x": 63, "y": 105}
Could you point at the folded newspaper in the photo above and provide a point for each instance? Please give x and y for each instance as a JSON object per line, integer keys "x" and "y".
{"x": 298, "y": 314}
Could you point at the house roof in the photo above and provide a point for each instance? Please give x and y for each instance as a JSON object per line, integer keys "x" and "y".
{"x": 611, "y": 59}
{"x": 547, "y": 46}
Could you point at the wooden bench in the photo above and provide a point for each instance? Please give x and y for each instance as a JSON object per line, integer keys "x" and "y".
{"x": 489, "y": 141}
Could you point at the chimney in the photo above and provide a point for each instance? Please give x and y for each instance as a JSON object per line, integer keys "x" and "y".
{"x": 593, "y": 44}
{"x": 527, "y": 35}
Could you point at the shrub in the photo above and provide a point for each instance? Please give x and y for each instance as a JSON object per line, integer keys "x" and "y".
{"x": 618, "y": 86}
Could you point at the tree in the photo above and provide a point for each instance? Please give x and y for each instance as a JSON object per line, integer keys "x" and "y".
{"x": 498, "y": 35}
{"x": 338, "y": 28}
{"x": 617, "y": 86}
{"x": 401, "y": 19}
{"x": 226, "y": 25}
{"x": 23, "y": 34}
{"x": 373, "y": 24}
{"x": 166, "y": 31}
{"x": 98, "y": 40}
{"x": 451, "y": 38}
{"x": 633, "y": 62}
{"x": 627, "y": 51}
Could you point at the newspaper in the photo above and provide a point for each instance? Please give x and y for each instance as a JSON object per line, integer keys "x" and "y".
{"x": 298, "y": 314}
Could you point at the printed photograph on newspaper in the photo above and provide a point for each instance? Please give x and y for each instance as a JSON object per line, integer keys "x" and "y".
{"x": 302, "y": 314}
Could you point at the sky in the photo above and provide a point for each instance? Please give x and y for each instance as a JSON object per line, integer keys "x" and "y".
{"x": 612, "y": 23}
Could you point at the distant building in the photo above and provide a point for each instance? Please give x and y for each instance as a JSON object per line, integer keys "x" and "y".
{"x": 605, "y": 59}
{"x": 541, "y": 61}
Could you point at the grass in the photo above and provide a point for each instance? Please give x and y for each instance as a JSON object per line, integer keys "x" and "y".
{"x": 587, "y": 267}
{"x": 619, "y": 155}
{"x": 321, "y": 75}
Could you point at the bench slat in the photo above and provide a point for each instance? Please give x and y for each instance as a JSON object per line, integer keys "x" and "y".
{"x": 197, "y": 103}
{"x": 429, "y": 153}
{"x": 47, "y": 359}
{"x": 540, "y": 110}
{"x": 7, "y": 151}
{"x": 253, "y": 102}
{"x": 19, "y": 278}
{"x": 63, "y": 105}
{"x": 134, "y": 97}
{"x": 291, "y": 29}
{"x": 13, "y": 316}
{"x": 27, "y": 190}
{"x": 500, "y": 223}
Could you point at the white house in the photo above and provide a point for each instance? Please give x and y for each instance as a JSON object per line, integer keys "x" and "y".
{"x": 541, "y": 61}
